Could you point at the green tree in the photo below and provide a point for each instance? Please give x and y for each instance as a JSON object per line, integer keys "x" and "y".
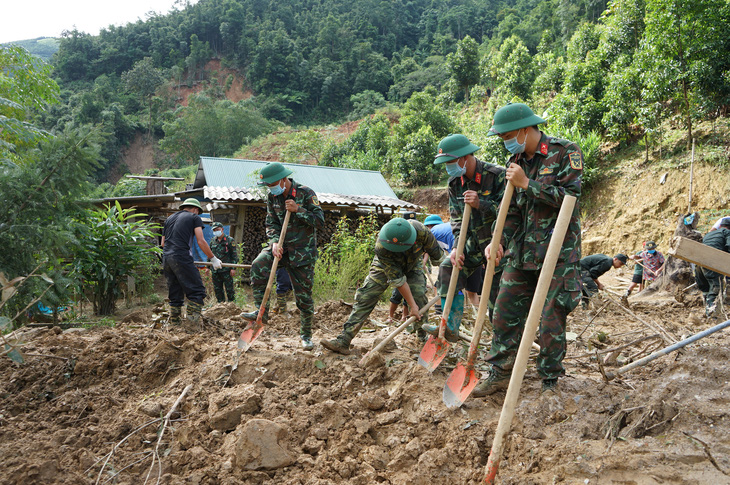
{"x": 680, "y": 40}
{"x": 212, "y": 128}
{"x": 144, "y": 79}
{"x": 25, "y": 85}
{"x": 305, "y": 145}
{"x": 112, "y": 245}
{"x": 464, "y": 64}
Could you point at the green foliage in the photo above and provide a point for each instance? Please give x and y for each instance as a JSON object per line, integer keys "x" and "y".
{"x": 41, "y": 198}
{"x": 305, "y": 145}
{"x": 43, "y": 47}
{"x": 212, "y": 128}
{"x": 464, "y": 64}
{"x": 25, "y": 84}
{"x": 111, "y": 246}
{"x": 365, "y": 103}
{"x": 590, "y": 145}
{"x": 344, "y": 262}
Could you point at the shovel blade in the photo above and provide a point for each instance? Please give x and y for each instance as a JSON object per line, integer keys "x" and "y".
{"x": 433, "y": 352}
{"x": 459, "y": 385}
{"x": 248, "y": 335}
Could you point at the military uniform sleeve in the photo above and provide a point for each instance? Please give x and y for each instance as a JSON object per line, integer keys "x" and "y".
{"x": 568, "y": 180}
{"x": 273, "y": 223}
{"x": 310, "y": 211}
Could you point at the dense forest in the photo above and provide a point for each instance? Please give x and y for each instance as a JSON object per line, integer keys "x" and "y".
{"x": 618, "y": 69}
{"x": 410, "y": 72}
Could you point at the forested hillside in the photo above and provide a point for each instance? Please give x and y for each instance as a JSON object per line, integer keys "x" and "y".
{"x": 598, "y": 70}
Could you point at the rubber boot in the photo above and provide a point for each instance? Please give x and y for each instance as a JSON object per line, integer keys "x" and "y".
{"x": 175, "y": 315}
{"x": 195, "y": 311}
{"x": 253, "y": 316}
{"x": 281, "y": 300}
{"x": 454, "y": 321}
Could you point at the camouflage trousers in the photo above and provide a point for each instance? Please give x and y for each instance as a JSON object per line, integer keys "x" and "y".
{"x": 471, "y": 264}
{"x": 510, "y": 314}
{"x": 368, "y": 296}
{"x": 710, "y": 284}
{"x": 223, "y": 286}
{"x": 302, "y": 279}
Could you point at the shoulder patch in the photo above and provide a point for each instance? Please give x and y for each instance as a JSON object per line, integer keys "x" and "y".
{"x": 315, "y": 200}
{"x": 478, "y": 178}
{"x": 576, "y": 162}
{"x": 495, "y": 169}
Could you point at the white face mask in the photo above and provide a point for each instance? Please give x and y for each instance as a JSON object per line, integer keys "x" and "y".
{"x": 218, "y": 233}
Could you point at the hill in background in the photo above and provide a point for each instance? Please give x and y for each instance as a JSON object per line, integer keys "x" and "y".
{"x": 43, "y": 47}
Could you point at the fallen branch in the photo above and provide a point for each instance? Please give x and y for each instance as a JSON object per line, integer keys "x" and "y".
{"x": 155, "y": 454}
{"x": 668, "y": 338}
{"x": 594, "y": 317}
{"x": 615, "y": 349}
{"x": 706, "y": 447}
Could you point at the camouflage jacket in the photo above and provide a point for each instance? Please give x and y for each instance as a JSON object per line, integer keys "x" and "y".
{"x": 391, "y": 268}
{"x": 489, "y": 183}
{"x": 225, "y": 250}
{"x": 555, "y": 170}
{"x": 301, "y": 235}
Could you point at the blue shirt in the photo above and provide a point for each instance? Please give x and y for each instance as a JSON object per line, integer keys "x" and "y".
{"x": 444, "y": 236}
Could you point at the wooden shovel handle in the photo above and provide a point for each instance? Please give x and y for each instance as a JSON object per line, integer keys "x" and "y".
{"x": 528, "y": 335}
{"x": 487, "y": 284}
{"x": 454, "y": 272}
{"x": 272, "y": 275}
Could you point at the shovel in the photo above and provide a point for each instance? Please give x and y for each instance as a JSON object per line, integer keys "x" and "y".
{"x": 422, "y": 311}
{"x": 252, "y": 331}
{"x": 528, "y": 335}
{"x": 436, "y": 348}
{"x": 463, "y": 379}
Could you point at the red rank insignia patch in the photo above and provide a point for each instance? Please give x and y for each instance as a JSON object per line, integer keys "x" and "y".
{"x": 543, "y": 148}
{"x": 478, "y": 178}
{"x": 293, "y": 192}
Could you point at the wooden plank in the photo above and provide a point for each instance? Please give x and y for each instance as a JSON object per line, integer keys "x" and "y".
{"x": 697, "y": 253}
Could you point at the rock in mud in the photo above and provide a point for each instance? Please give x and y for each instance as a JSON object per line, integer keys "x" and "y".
{"x": 261, "y": 446}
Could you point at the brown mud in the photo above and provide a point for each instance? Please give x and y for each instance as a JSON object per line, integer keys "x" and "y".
{"x": 285, "y": 416}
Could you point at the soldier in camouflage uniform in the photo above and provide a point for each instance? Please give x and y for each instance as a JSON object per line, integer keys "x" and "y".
{"x": 298, "y": 252}
{"x": 481, "y": 185}
{"x": 543, "y": 170}
{"x": 224, "y": 248}
{"x": 398, "y": 261}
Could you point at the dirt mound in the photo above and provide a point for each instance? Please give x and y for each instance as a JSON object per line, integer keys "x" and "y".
{"x": 294, "y": 417}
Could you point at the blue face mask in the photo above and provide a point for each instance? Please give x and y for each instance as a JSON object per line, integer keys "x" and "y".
{"x": 651, "y": 251}
{"x": 514, "y": 146}
{"x": 276, "y": 190}
{"x": 454, "y": 170}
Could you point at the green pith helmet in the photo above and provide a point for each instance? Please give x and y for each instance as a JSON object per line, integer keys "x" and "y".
{"x": 453, "y": 147}
{"x": 397, "y": 235}
{"x": 513, "y": 116}
{"x": 273, "y": 172}
{"x": 191, "y": 202}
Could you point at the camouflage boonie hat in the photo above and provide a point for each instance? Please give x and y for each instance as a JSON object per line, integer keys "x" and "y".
{"x": 273, "y": 172}
{"x": 216, "y": 225}
{"x": 397, "y": 235}
{"x": 513, "y": 116}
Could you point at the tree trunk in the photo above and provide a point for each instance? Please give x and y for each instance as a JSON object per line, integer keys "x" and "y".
{"x": 678, "y": 273}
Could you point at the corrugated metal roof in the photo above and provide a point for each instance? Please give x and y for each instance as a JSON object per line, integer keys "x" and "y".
{"x": 245, "y": 195}
{"x": 231, "y": 172}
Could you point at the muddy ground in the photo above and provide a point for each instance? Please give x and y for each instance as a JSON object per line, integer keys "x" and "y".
{"x": 285, "y": 416}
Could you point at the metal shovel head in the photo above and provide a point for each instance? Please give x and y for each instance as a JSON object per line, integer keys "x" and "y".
{"x": 248, "y": 335}
{"x": 459, "y": 385}
{"x": 433, "y": 352}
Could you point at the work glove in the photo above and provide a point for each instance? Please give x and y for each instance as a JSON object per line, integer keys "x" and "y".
{"x": 216, "y": 263}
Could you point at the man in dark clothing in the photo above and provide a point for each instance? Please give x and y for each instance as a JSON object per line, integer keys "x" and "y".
{"x": 183, "y": 278}
{"x": 708, "y": 281}
{"x": 298, "y": 253}
{"x": 224, "y": 248}
{"x": 593, "y": 267}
